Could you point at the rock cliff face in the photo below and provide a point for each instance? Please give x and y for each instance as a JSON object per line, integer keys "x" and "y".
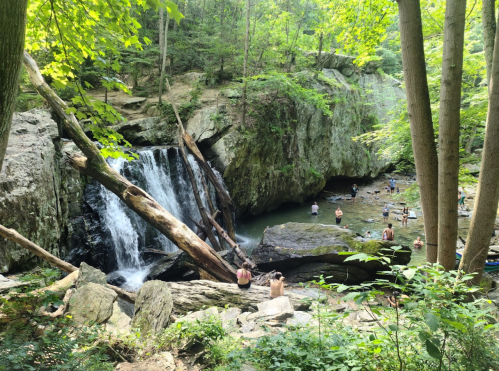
{"x": 289, "y": 164}
{"x": 39, "y": 194}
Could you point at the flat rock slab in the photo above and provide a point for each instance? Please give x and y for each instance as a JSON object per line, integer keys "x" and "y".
{"x": 8, "y": 284}
{"x": 334, "y": 273}
{"x": 194, "y": 295}
{"x": 132, "y": 102}
{"x": 299, "y": 319}
{"x": 291, "y": 245}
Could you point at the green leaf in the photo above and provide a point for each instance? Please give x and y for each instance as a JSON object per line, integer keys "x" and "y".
{"x": 409, "y": 273}
{"x": 432, "y": 321}
{"x": 393, "y": 327}
{"x": 433, "y": 350}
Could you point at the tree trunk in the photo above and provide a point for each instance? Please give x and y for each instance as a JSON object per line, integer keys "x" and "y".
{"x": 143, "y": 204}
{"x": 224, "y": 197}
{"x": 489, "y": 32}
{"x": 12, "y": 235}
{"x": 418, "y": 107}
{"x": 471, "y": 139}
{"x": 234, "y": 246}
{"x": 319, "y": 69}
{"x": 12, "y": 29}
{"x": 199, "y": 202}
{"x": 449, "y": 119}
{"x": 245, "y": 65}
{"x": 163, "y": 64}
{"x": 161, "y": 30}
{"x": 484, "y": 215}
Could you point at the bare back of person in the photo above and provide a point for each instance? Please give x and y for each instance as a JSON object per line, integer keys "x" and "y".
{"x": 389, "y": 234}
{"x": 276, "y": 288}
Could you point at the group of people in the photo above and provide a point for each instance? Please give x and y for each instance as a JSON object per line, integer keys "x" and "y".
{"x": 276, "y": 283}
{"x": 405, "y": 214}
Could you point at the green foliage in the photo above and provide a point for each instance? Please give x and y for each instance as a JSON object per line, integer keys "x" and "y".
{"x": 32, "y": 341}
{"x": 287, "y": 169}
{"x": 185, "y": 110}
{"x": 314, "y": 173}
{"x": 42, "y": 276}
{"x": 27, "y": 101}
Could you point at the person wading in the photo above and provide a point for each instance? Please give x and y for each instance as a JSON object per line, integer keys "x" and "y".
{"x": 418, "y": 243}
{"x": 244, "y": 277}
{"x": 388, "y": 233}
{"x": 354, "y": 192}
{"x": 315, "y": 209}
{"x": 386, "y": 212}
{"x": 339, "y": 214}
{"x": 277, "y": 285}
{"x": 405, "y": 215}
{"x": 393, "y": 184}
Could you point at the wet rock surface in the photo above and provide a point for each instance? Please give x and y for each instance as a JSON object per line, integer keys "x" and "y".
{"x": 333, "y": 273}
{"x": 289, "y": 246}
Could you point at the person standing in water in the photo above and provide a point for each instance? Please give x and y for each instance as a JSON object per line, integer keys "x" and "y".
{"x": 315, "y": 209}
{"x": 388, "y": 233}
{"x": 405, "y": 215}
{"x": 277, "y": 285}
{"x": 386, "y": 212}
{"x": 244, "y": 277}
{"x": 460, "y": 199}
{"x": 339, "y": 214}
{"x": 392, "y": 185}
{"x": 354, "y": 192}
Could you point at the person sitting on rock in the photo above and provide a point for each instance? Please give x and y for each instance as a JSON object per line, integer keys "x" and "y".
{"x": 244, "y": 277}
{"x": 277, "y": 285}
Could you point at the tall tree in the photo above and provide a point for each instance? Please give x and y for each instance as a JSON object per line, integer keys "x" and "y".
{"x": 487, "y": 199}
{"x": 164, "y": 50}
{"x": 418, "y": 106}
{"x": 245, "y": 65}
{"x": 12, "y": 29}
{"x": 489, "y": 32}
{"x": 449, "y": 120}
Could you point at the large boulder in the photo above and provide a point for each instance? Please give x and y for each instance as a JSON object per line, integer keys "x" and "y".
{"x": 120, "y": 322}
{"x": 92, "y": 304}
{"x": 195, "y": 295}
{"x": 172, "y": 267}
{"x": 148, "y": 131}
{"x": 292, "y": 157}
{"x": 332, "y": 273}
{"x": 289, "y": 246}
{"x": 153, "y": 307}
{"x": 40, "y": 194}
{"x": 87, "y": 274}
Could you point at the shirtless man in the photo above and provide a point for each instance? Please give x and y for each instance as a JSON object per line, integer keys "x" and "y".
{"x": 339, "y": 214}
{"x": 315, "y": 209}
{"x": 388, "y": 233}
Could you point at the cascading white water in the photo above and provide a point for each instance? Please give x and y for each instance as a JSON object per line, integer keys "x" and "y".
{"x": 164, "y": 178}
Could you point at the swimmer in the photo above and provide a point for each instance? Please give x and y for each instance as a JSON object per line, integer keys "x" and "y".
{"x": 315, "y": 209}
{"x": 418, "y": 243}
{"x": 339, "y": 214}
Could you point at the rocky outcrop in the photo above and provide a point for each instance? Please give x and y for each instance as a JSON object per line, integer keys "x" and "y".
{"x": 148, "y": 131}
{"x": 87, "y": 274}
{"x": 92, "y": 304}
{"x": 40, "y": 195}
{"x": 153, "y": 307}
{"x": 275, "y": 163}
{"x": 194, "y": 295}
{"x": 332, "y": 273}
{"x": 287, "y": 247}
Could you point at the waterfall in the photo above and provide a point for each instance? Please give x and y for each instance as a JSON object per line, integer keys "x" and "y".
{"x": 161, "y": 173}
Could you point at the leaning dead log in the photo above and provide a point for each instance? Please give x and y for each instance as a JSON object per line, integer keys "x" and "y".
{"x": 68, "y": 281}
{"x": 12, "y": 235}
{"x": 241, "y": 255}
{"x": 225, "y": 200}
{"x": 204, "y": 215}
{"x": 94, "y": 165}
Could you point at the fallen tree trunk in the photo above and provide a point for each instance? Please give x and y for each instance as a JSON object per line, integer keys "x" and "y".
{"x": 137, "y": 199}
{"x": 12, "y": 235}
{"x": 231, "y": 243}
{"x": 66, "y": 282}
{"x": 225, "y": 200}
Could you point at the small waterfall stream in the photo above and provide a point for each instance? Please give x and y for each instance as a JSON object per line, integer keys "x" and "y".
{"x": 161, "y": 173}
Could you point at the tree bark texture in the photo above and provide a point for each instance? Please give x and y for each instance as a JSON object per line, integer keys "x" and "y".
{"x": 137, "y": 199}
{"x": 12, "y": 31}
{"x": 14, "y": 236}
{"x": 449, "y": 120}
{"x": 163, "y": 54}
{"x": 245, "y": 63}
{"x": 489, "y": 32}
{"x": 418, "y": 107}
{"x": 161, "y": 30}
{"x": 484, "y": 215}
